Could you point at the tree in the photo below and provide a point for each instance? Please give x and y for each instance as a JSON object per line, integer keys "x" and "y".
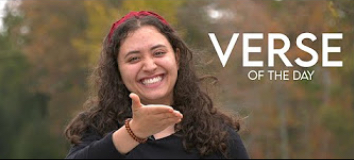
{"x": 20, "y": 108}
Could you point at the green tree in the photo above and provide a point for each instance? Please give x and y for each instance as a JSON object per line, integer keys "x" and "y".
{"x": 41, "y": 73}
{"x": 20, "y": 108}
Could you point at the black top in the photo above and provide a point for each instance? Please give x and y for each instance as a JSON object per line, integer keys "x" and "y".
{"x": 94, "y": 146}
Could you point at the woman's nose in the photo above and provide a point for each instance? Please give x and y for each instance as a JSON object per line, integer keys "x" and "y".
{"x": 149, "y": 65}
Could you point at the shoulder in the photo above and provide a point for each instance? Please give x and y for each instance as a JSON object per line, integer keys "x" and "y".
{"x": 233, "y": 136}
{"x": 232, "y": 131}
{"x": 236, "y": 148}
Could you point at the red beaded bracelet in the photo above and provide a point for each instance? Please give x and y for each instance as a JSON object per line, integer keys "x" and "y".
{"x": 131, "y": 133}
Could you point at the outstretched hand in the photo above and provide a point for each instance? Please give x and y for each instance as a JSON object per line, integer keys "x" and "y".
{"x": 151, "y": 119}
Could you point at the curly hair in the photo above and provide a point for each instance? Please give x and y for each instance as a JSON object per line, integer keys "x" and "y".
{"x": 203, "y": 127}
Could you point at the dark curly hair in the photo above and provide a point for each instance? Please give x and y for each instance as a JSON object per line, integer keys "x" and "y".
{"x": 203, "y": 127}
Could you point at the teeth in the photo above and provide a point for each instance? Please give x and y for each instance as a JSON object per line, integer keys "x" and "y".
{"x": 152, "y": 80}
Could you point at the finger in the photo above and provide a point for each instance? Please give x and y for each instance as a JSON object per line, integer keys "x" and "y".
{"x": 173, "y": 114}
{"x": 158, "y": 105}
{"x": 165, "y": 120}
{"x": 178, "y": 114}
{"x": 135, "y": 101}
{"x": 160, "y": 109}
{"x": 170, "y": 115}
{"x": 163, "y": 116}
{"x": 172, "y": 120}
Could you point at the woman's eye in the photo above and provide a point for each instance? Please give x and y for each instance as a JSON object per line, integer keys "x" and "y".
{"x": 133, "y": 59}
{"x": 159, "y": 53}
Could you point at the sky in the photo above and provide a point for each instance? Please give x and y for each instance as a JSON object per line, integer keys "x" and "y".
{"x": 2, "y": 7}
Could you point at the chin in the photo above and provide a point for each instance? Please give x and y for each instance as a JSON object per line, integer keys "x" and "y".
{"x": 155, "y": 98}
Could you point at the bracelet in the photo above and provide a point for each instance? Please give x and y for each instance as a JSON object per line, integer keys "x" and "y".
{"x": 131, "y": 133}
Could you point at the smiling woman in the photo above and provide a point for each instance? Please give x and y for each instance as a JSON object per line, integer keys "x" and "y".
{"x": 149, "y": 102}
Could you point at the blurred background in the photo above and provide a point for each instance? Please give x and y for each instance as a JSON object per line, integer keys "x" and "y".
{"x": 48, "y": 49}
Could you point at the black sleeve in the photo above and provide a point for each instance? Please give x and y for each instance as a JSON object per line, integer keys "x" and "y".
{"x": 236, "y": 149}
{"x": 93, "y": 146}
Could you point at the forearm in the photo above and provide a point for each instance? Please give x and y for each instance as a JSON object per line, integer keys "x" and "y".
{"x": 123, "y": 142}
{"x": 95, "y": 147}
{"x": 123, "y": 139}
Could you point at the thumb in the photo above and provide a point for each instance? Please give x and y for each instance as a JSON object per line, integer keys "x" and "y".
{"x": 135, "y": 101}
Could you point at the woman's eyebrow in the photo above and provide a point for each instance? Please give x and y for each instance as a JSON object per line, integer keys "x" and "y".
{"x": 131, "y": 52}
{"x": 137, "y": 51}
{"x": 157, "y": 46}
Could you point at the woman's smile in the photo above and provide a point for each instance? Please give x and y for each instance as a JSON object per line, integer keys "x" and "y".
{"x": 152, "y": 82}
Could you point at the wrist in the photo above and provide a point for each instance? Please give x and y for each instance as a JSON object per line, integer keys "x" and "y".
{"x": 134, "y": 131}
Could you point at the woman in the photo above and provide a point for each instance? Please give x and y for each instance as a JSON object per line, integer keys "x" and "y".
{"x": 149, "y": 103}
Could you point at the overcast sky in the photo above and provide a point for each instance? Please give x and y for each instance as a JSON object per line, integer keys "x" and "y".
{"x": 2, "y": 6}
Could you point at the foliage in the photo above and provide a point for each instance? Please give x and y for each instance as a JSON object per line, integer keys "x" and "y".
{"x": 49, "y": 48}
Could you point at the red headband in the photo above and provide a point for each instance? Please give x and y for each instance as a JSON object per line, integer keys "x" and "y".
{"x": 137, "y": 15}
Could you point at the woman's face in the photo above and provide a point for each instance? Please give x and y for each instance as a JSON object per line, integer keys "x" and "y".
{"x": 148, "y": 65}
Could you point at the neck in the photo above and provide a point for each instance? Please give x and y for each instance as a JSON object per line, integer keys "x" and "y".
{"x": 165, "y": 101}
